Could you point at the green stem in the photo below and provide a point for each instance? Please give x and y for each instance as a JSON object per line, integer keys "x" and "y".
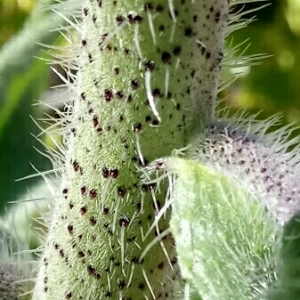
{"x": 146, "y": 73}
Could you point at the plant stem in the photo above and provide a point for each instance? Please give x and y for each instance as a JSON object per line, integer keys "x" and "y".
{"x": 147, "y": 71}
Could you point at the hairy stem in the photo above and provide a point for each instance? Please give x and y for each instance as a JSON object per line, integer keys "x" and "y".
{"x": 147, "y": 71}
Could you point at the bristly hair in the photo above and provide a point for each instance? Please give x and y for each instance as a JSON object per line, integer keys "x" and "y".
{"x": 16, "y": 263}
{"x": 246, "y": 150}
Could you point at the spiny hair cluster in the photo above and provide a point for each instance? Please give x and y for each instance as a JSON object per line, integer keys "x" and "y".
{"x": 16, "y": 265}
{"x": 244, "y": 149}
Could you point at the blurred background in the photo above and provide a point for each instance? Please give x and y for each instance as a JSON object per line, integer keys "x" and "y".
{"x": 272, "y": 86}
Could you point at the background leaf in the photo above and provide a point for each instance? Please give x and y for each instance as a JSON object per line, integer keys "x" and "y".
{"x": 23, "y": 78}
{"x": 288, "y": 285}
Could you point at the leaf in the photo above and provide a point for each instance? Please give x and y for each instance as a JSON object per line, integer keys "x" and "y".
{"x": 288, "y": 283}
{"x": 16, "y": 129}
{"x": 225, "y": 238}
{"x": 22, "y": 80}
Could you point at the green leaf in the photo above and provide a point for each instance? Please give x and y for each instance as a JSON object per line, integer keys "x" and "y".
{"x": 23, "y": 78}
{"x": 16, "y": 129}
{"x": 288, "y": 284}
{"x": 225, "y": 238}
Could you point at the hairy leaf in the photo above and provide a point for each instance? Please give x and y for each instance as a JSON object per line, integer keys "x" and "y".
{"x": 225, "y": 239}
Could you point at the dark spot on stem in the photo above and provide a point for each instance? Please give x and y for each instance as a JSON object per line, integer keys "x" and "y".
{"x": 114, "y": 173}
{"x": 93, "y": 193}
{"x": 138, "y": 19}
{"x": 145, "y": 187}
{"x": 95, "y": 121}
{"x": 159, "y": 8}
{"x": 160, "y": 266}
{"x": 155, "y": 122}
{"x": 161, "y": 28}
{"x": 75, "y": 166}
{"x": 93, "y": 221}
{"x": 156, "y": 92}
{"x": 119, "y": 95}
{"x": 188, "y": 32}
{"x": 122, "y": 191}
{"x": 134, "y": 84}
{"x": 124, "y": 222}
{"x": 165, "y": 57}
{"x": 81, "y": 254}
{"x": 120, "y": 19}
{"x": 106, "y": 210}
{"x": 83, "y": 210}
{"x": 217, "y": 17}
{"x": 121, "y": 284}
{"x": 99, "y": 3}
{"x": 70, "y": 229}
{"x": 141, "y": 286}
{"x": 108, "y": 94}
{"x": 82, "y": 95}
{"x": 137, "y": 127}
{"x": 177, "y": 50}
{"x": 149, "y": 65}
{"x": 83, "y": 190}
{"x": 85, "y": 11}
{"x": 105, "y": 172}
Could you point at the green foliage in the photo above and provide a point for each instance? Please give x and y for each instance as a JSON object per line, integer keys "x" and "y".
{"x": 288, "y": 284}
{"x": 22, "y": 80}
{"x": 224, "y": 237}
{"x": 273, "y": 86}
{"x": 16, "y": 128}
